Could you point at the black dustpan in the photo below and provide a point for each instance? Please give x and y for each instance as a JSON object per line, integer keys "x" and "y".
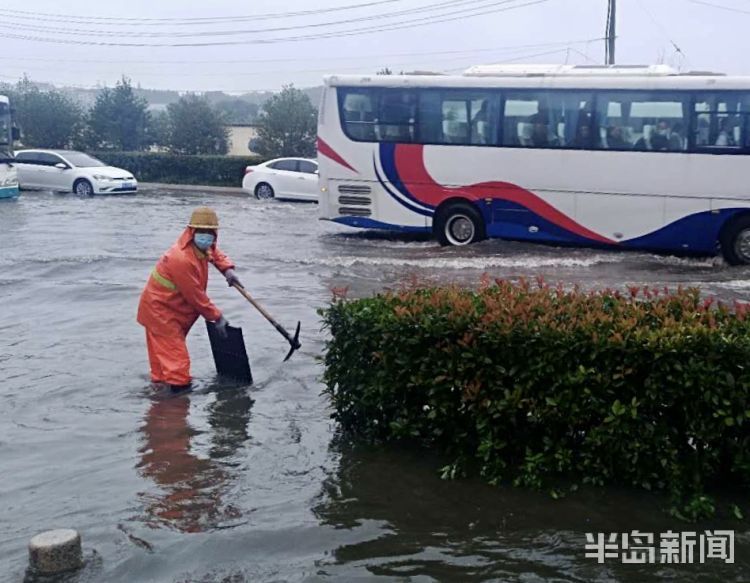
{"x": 229, "y": 353}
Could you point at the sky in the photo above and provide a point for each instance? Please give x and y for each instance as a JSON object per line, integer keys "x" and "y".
{"x": 240, "y": 53}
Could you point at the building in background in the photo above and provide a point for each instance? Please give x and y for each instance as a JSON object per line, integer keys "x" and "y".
{"x": 241, "y": 139}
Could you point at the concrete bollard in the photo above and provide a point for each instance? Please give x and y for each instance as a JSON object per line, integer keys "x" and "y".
{"x": 55, "y": 551}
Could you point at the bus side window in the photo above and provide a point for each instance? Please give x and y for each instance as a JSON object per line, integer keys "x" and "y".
{"x": 720, "y": 121}
{"x": 456, "y": 117}
{"x": 647, "y": 121}
{"x": 357, "y": 115}
{"x": 548, "y": 119}
{"x": 396, "y": 115}
{"x": 430, "y": 117}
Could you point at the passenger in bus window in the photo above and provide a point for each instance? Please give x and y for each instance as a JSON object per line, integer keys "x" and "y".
{"x": 676, "y": 137}
{"x": 615, "y": 139}
{"x": 584, "y": 139}
{"x": 658, "y": 140}
{"x": 540, "y": 134}
{"x": 479, "y": 125}
{"x": 726, "y": 134}
{"x": 703, "y": 130}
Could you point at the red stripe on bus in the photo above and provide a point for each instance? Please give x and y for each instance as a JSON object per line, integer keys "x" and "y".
{"x": 328, "y": 152}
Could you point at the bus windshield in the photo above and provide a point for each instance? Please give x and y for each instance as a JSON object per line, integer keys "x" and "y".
{"x": 5, "y": 127}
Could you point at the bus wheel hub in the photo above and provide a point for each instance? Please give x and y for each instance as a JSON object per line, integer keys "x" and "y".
{"x": 460, "y": 230}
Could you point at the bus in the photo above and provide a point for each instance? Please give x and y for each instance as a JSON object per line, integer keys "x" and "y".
{"x": 619, "y": 157}
{"x": 8, "y": 175}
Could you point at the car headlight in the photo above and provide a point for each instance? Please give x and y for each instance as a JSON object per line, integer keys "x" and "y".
{"x": 100, "y": 177}
{"x": 11, "y": 180}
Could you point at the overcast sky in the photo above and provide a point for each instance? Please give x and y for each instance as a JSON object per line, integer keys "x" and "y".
{"x": 537, "y": 31}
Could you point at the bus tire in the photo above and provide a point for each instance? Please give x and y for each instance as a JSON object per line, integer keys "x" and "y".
{"x": 458, "y": 224}
{"x": 735, "y": 241}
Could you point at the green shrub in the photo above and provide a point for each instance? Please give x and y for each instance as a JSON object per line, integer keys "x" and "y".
{"x": 177, "y": 169}
{"x": 538, "y": 385}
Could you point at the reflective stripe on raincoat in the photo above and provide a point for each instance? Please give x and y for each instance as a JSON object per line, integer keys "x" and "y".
{"x": 175, "y": 294}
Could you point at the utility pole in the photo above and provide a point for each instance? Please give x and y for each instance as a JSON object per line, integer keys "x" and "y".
{"x": 611, "y": 32}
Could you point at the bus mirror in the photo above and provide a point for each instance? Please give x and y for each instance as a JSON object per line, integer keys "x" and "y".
{"x": 15, "y": 134}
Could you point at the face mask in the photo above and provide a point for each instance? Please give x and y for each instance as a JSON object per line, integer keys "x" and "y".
{"x": 203, "y": 240}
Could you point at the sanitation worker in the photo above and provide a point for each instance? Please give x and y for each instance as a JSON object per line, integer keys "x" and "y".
{"x": 175, "y": 296}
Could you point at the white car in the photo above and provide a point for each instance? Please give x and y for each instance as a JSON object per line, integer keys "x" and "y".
{"x": 287, "y": 178}
{"x": 70, "y": 171}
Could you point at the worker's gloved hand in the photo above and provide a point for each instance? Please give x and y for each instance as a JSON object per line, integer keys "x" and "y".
{"x": 232, "y": 278}
{"x": 221, "y": 326}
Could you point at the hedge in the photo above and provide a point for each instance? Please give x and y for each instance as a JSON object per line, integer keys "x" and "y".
{"x": 178, "y": 169}
{"x": 545, "y": 387}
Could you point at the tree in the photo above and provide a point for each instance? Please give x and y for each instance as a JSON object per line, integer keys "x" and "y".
{"x": 47, "y": 119}
{"x": 119, "y": 119}
{"x": 196, "y": 127}
{"x": 287, "y": 125}
{"x": 159, "y": 129}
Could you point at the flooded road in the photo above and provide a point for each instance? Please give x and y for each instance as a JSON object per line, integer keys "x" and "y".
{"x": 231, "y": 484}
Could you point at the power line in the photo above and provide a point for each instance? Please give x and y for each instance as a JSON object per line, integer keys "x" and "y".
{"x": 382, "y": 56}
{"x": 720, "y": 7}
{"x": 661, "y": 27}
{"x": 333, "y": 69}
{"x": 358, "y": 69}
{"x": 438, "y": 6}
{"x": 134, "y": 21}
{"x": 233, "y": 90}
{"x": 425, "y": 21}
{"x": 520, "y": 58}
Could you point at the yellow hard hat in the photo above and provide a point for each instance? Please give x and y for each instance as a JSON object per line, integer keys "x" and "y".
{"x": 204, "y": 218}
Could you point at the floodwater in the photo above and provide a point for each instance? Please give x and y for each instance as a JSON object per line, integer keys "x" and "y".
{"x": 251, "y": 484}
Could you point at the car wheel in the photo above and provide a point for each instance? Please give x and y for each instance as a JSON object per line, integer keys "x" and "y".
{"x": 83, "y": 187}
{"x": 458, "y": 224}
{"x": 264, "y": 191}
{"x": 735, "y": 241}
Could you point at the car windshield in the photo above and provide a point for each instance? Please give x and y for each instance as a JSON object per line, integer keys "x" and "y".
{"x": 81, "y": 160}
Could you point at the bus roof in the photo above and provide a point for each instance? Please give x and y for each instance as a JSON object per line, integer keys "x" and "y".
{"x": 541, "y": 76}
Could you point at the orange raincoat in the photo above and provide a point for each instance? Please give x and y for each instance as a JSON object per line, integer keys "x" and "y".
{"x": 174, "y": 297}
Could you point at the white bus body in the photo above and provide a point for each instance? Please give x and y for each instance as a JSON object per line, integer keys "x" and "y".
{"x": 8, "y": 175}
{"x": 620, "y": 158}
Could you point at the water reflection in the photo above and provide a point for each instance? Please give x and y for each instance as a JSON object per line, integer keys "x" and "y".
{"x": 411, "y": 524}
{"x": 193, "y": 487}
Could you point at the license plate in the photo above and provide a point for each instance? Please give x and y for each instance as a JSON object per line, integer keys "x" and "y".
{"x": 127, "y": 185}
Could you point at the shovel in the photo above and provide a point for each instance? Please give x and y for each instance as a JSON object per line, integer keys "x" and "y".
{"x": 293, "y": 340}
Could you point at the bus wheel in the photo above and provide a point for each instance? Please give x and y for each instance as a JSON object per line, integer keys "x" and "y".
{"x": 458, "y": 224}
{"x": 735, "y": 241}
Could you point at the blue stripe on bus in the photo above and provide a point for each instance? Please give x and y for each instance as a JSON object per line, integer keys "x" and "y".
{"x": 388, "y": 162}
{"x": 696, "y": 233}
{"x": 512, "y": 220}
{"x": 365, "y": 223}
{"x": 397, "y": 198}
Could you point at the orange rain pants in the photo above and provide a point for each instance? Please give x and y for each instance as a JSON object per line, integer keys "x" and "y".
{"x": 174, "y": 298}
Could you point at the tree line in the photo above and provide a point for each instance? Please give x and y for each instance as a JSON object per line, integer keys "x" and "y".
{"x": 120, "y": 120}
